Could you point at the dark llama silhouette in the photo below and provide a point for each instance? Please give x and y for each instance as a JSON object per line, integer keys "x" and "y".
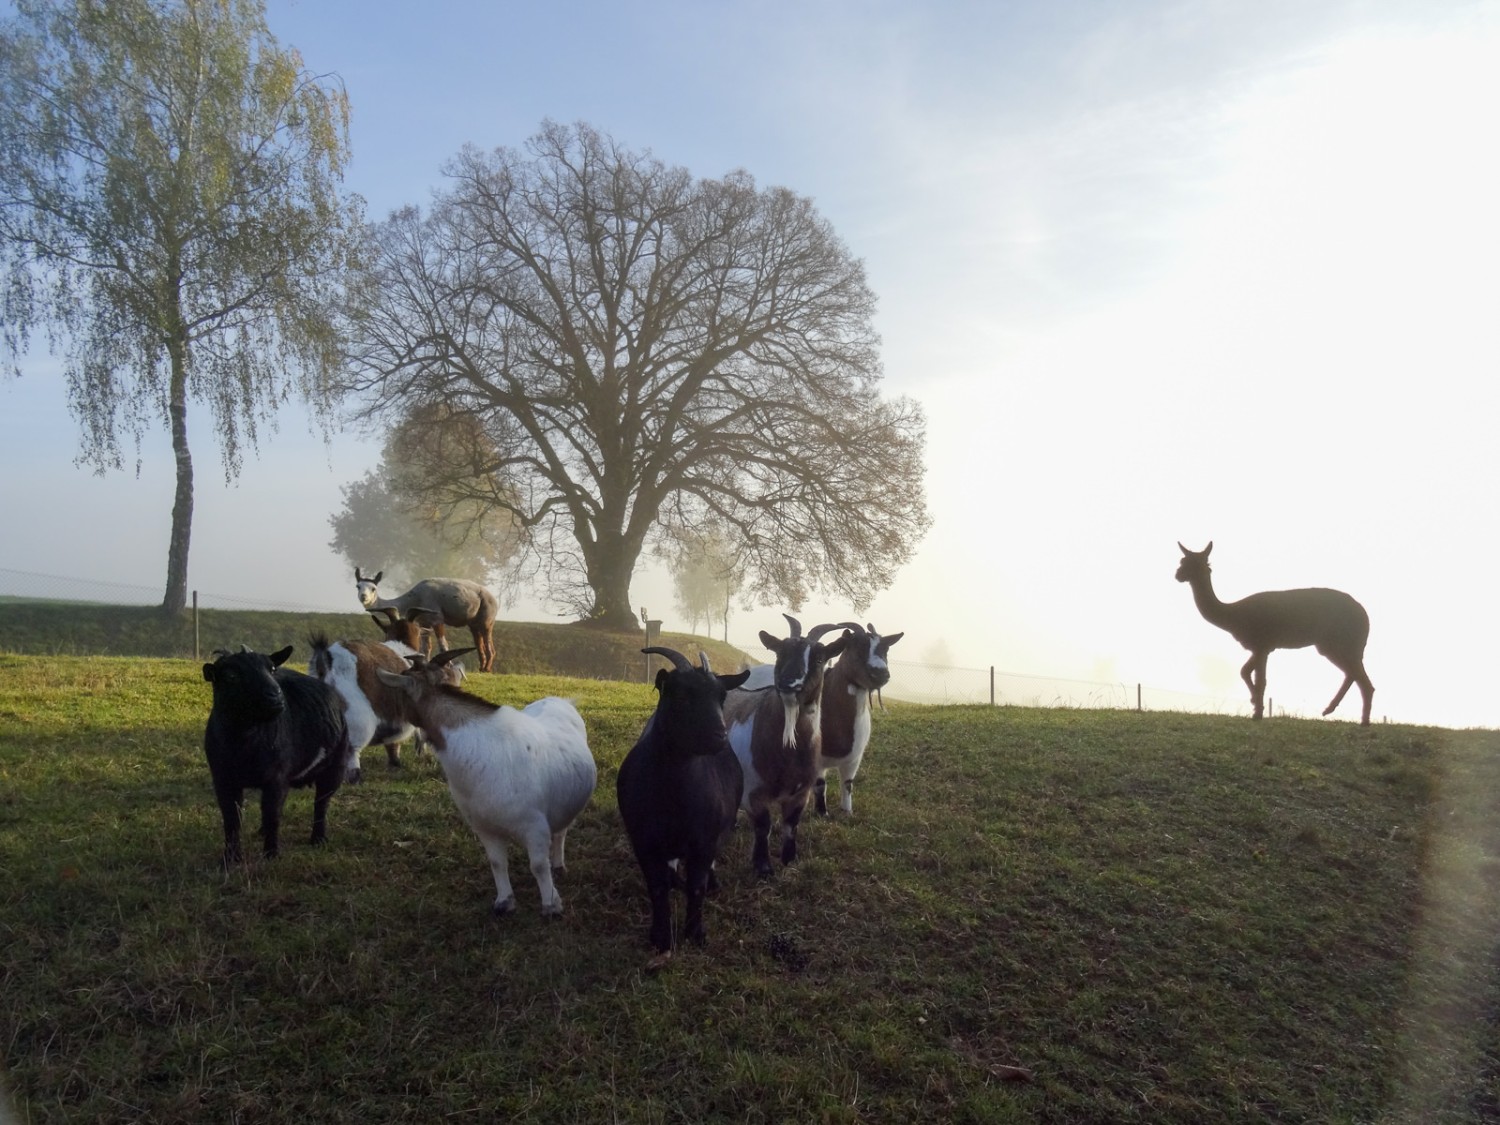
{"x": 1330, "y": 620}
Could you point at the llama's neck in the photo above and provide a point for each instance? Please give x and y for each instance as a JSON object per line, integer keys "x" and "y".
{"x": 1213, "y": 610}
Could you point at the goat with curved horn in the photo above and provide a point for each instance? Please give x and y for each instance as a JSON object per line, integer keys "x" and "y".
{"x": 776, "y": 734}
{"x": 1329, "y": 620}
{"x": 678, "y": 791}
{"x": 845, "y": 715}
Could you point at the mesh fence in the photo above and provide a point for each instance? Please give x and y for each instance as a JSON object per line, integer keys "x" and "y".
{"x": 25, "y": 584}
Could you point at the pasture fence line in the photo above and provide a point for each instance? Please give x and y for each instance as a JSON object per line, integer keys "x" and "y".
{"x": 31, "y": 585}
{"x": 911, "y": 682}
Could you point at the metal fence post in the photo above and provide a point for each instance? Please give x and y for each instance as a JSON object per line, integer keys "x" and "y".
{"x": 992, "y": 685}
{"x": 196, "y": 655}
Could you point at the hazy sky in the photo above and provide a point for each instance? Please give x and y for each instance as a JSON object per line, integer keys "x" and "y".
{"x": 1158, "y": 271}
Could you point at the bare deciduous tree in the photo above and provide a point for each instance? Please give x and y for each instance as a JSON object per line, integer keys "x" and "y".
{"x": 648, "y": 352}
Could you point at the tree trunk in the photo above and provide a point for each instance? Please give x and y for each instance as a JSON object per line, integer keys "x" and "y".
{"x": 611, "y": 562}
{"x": 175, "y": 598}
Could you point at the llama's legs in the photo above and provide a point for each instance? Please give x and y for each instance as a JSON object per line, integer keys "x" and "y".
{"x": 1254, "y": 675}
{"x": 1367, "y": 693}
{"x": 484, "y": 642}
{"x": 1354, "y": 673}
{"x": 441, "y": 633}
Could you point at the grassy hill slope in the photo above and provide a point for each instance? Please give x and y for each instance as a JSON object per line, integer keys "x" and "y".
{"x": 74, "y": 628}
{"x": 1033, "y": 916}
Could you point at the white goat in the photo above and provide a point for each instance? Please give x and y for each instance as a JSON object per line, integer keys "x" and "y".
{"x": 523, "y": 775}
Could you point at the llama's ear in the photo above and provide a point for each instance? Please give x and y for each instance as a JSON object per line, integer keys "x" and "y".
{"x": 1184, "y": 550}
{"x": 1209, "y": 548}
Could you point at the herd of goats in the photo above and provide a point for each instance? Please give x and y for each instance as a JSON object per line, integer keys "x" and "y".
{"x": 761, "y": 739}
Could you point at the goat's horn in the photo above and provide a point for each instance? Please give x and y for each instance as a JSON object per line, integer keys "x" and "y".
{"x": 703, "y": 661}
{"x": 452, "y": 654}
{"x": 821, "y": 629}
{"x": 243, "y": 648}
{"x": 795, "y": 624}
{"x": 682, "y": 663}
{"x": 871, "y": 628}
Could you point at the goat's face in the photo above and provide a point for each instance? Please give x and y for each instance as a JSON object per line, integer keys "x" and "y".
{"x": 365, "y": 588}
{"x": 690, "y": 706}
{"x": 1194, "y": 564}
{"x": 245, "y": 684}
{"x": 867, "y": 655}
{"x": 425, "y": 675}
{"x": 798, "y": 674}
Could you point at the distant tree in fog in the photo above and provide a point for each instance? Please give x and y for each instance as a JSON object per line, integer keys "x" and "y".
{"x": 648, "y": 353}
{"x": 406, "y": 519}
{"x": 169, "y": 215}
{"x": 706, "y": 576}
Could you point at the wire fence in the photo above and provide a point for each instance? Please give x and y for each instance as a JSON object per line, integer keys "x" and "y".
{"x": 910, "y": 682}
{"x": 31, "y": 586}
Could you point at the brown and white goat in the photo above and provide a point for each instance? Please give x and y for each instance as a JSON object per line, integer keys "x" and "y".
{"x": 374, "y": 711}
{"x": 407, "y": 632}
{"x": 847, "y": 685}
{"x": 774, "y": 729}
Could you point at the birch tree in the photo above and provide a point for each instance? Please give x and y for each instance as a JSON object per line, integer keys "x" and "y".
{"x": 171, "y": 222}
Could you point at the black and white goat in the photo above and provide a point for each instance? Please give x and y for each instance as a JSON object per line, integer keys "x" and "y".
{"x": 679, "y": 790}
{"x": 522, "y": 775}
{"x": 774, "y": 728}
{"x": 847, "y": 685}
{"x": 272, "y": 729}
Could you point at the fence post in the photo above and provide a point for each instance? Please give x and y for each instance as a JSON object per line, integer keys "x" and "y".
{"x": 1138, "y": 706}
{"x": 992, "y": 685}
{"x": 196, "y": 656}
{"x": 653, "y": 634}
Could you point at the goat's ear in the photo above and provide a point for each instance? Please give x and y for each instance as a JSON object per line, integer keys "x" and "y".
{"x": 208, "y": 672}
{"x": 892, "y": 639}
{"x": 769, "y": 641}
{"x": 734, "y": 679}
{"x": 278, "y": 658}
{"x": 661, "y": 679}
{"x": 392, "y": 679}
{"x": 838, "y": 646}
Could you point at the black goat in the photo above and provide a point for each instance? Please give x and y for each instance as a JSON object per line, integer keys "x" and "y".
{"x": 271, "y": 729}
{"x": 679, "y": 790}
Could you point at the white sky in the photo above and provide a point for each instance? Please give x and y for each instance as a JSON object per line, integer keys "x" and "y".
{"x": 1162, "y": 271}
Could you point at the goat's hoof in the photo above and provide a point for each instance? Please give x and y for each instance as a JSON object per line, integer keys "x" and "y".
{"x": 504, "y": 906}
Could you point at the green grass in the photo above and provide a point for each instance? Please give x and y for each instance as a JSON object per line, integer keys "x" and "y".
{"x": 1160, "y": 917}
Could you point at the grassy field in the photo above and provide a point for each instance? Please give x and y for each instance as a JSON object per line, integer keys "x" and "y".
{"x": 1033, "y": 916}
